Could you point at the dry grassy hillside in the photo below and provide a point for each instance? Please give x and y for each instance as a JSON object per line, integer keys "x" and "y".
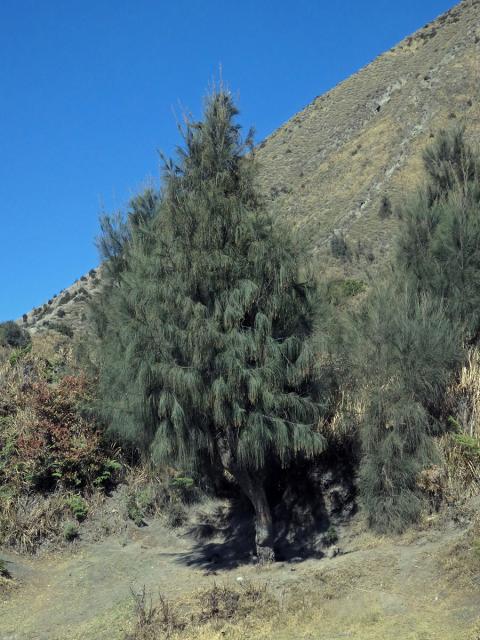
{"x": 327, "y": 169}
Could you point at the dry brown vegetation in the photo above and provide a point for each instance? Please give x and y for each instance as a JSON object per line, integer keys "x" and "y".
{"x": 52, "y": 455}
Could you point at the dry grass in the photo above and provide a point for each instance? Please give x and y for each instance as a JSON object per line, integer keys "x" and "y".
{"x": 209, "y": 609}
{"x": 466, "y": 395}
{"x": 461, "y": 449}
{"x": 27, "y": 522}
{"x": 461, "y": 560}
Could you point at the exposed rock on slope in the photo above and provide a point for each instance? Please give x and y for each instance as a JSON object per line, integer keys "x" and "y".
{"x": 326, "y": 171}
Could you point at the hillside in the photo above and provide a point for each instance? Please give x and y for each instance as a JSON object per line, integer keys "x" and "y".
{"x": 328, "y": 167}
{"x": 326, "y": 170}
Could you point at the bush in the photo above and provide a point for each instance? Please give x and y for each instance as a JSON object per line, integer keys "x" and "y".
{"x": 46, "y": 439}
{"x": 151, "y": 494}
{"x": 70, "y": 531}
{"x": 339, "y": 246}
{"x": 338, "y": 291}
{"x": 77, "y": 506}
{"x": 12, "y": 335}
{"x": 67, "y": 296}
{"x": 330, "y": 536}
{"x": 60, "y": 327}
{"x": 51, "y": 451}
{"x": 385, "y": 209}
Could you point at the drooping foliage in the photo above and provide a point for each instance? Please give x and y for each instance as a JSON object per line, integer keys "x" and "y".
{"x": 439, "y": 248}
{"x": 410, "y": 333}
{"x": 205, "y": 348}
{"x": 404, "y": 351}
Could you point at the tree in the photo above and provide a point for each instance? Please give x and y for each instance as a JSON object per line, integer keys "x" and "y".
{"x": 439, "y": 247}
{"x": 13, "y": 335}
{"x": 411, "y": 331}
{"x": 212, "y": 353}
{"x": 403, "y": 350}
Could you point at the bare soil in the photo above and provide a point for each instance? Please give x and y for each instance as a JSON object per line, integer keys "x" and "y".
{"x": 407, "y": 588}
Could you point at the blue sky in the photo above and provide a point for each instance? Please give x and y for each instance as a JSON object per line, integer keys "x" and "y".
{"x": 89, "y": 90}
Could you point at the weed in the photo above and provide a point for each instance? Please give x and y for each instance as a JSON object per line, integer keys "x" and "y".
{"x": 70, "y": 531}
{"x": 330, "y": 536}
{"x": 78, "y": 506}
{"x": 154, "y": 621}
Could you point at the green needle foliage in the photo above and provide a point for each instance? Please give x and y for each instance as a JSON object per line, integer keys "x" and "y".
{"x": 405, "y": 349}
{"x": 439, "y": 249}
{"x": 408, "y": 337}
{"x": 205, "y": 327}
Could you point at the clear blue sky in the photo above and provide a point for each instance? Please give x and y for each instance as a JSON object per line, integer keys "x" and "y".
{"x": 89, "y": 88}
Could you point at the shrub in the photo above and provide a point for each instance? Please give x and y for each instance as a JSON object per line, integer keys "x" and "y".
{"x": 155, "y": 621}
{"x": 338, "y": 291}
{"x": 46, "y": 441}
{"x": 64, "y": 329}
{"x": 49, "y": 446}
{"x": 67, "y": 296}
{"x": 29, "y": 520}
{"x": 12, "y": 335}
{"x": 70, "y": 531}
{"x": 78, "y": 506}
{"x": 330, "y": 536}
{"x": 385, "y": 209}
{"x": 339, "y": 246}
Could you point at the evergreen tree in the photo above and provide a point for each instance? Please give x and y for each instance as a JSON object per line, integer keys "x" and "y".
{"x": 439, "y": 248}
{"x": 211, "y": 322}
{"x": 411, "y": 331}
{"x": 403, "y": 351}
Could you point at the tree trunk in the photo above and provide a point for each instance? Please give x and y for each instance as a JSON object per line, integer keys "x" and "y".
{"x": 252, "y": 484}
{"x": 255, "y": 490}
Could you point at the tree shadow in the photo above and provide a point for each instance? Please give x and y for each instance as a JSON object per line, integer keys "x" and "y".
{"x": 308, "y": 500}
{"x": 224, "y": 537}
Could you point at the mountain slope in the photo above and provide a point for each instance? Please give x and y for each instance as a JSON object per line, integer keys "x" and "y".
{"x": 326, "y": 170}
{"x": 328, "y": 167}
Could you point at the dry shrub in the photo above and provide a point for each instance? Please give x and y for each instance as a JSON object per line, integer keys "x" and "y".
{"x": 461, "y": 560}
{"x": 27, "y": 521}
{"x": 223, "y": 602}
{"x": 49, "y": 446}
{"x": 461, "y": 448}
{"x": 154, "y": 621}
{"x": 466, "y": 396}
{"x": 345, "y": 422}
{"x": 161, "y": 619}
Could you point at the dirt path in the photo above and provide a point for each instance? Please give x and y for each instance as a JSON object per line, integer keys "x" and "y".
{"x": 375, "y": 590}
{"x": 64, "y": 597}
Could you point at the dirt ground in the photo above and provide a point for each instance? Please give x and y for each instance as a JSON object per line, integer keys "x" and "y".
{"x": 401, "y": 589}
